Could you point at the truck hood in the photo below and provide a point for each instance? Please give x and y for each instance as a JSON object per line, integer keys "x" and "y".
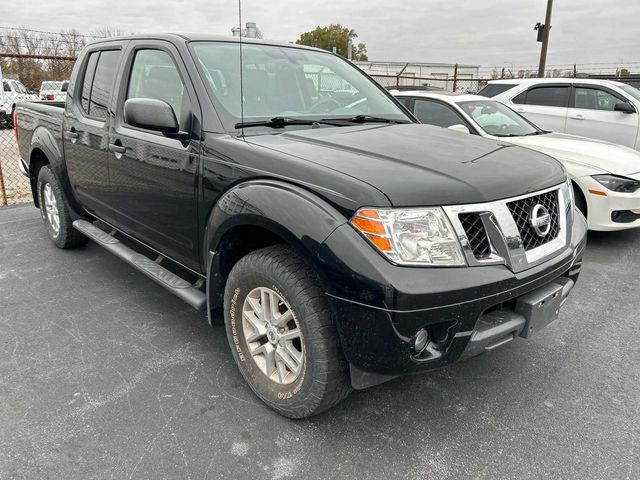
{"x": 421, "y": 165}
{"x": 600, "y": 156}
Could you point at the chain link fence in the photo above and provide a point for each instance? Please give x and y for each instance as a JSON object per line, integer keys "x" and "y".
{"x": 14, "y": 186}
{"x": 25, "y": 77}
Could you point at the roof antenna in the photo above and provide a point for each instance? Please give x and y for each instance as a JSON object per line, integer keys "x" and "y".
{"x": 241, "y": 68}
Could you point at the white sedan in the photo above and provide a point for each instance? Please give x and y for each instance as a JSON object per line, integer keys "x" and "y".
{"x": 606, "y": 177}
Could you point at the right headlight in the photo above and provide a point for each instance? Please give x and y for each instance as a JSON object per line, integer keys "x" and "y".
{"x": 413, "y": 236}
{"x": 616, "y": 183}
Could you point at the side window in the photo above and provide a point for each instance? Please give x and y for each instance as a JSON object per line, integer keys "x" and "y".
{"x": 548, "y": 96}
{"x": 434, "y": 113}
{"x": 595, "y": 99}
{"x": 520, "y": 98}
{"x": 403, "y": 100}
{"x": 154, "y": 75}
{"x": 88, "y": 80}
{"x": 102, "y": 83}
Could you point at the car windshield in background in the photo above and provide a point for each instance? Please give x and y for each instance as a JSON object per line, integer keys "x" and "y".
{"x": 289, "y": 82}
{"x": 633, "y": 91}
{"x": 498, "y": 119}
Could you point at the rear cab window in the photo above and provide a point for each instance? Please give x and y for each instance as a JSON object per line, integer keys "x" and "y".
{"x": 98, "y": 82}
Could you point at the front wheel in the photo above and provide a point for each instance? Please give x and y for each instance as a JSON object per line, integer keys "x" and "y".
{"x": 55, "y": 211}
{"x": 282, "y": 335}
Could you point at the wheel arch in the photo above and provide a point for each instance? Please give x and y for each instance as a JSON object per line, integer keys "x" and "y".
{"x": 46, "y": 150}
{"x": 580, "y": 197}
{"x": 257, "y": 214}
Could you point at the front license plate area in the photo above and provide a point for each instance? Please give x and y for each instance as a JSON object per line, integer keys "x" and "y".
{"x": 539, "y": 308}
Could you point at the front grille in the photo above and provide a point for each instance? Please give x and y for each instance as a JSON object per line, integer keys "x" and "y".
{"x": 521, "y": 211}
{"x": 476, "y": 234}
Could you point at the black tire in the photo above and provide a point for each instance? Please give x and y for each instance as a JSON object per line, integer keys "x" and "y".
{"x": 65, "y": 236}
{"x": 324, "y": 380}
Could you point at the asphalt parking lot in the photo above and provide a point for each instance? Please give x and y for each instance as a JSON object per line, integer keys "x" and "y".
{"x": 103, "y": 374}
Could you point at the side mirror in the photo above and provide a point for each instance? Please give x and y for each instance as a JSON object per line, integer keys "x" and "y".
{"x": 65, "y": 87}
{"x": 459, "y": 128}
{"x": 624, "y": 107}
{"x": 151, "y": 114}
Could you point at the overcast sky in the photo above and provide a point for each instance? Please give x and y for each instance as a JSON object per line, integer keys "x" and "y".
{"x": 487, "y": 32}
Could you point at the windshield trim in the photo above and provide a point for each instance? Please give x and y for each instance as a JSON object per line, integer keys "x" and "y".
{"x": 228, "y": 121}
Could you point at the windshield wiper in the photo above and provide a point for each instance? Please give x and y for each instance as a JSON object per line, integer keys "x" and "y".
{"x": 365, "y": 119}
{"x": 281, "y": 122}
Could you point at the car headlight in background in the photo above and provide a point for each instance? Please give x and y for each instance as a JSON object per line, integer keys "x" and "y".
{"x": 616, "y": 183}
{"x": 416, "y": 236}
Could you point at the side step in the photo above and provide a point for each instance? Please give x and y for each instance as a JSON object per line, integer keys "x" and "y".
{"x": 169, "y": 280}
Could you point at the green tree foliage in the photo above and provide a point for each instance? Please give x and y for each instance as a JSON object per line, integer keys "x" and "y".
{"x": 335, "y": 35}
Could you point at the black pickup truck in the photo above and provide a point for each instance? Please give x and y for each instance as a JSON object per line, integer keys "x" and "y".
{"x": 345, "y": 243}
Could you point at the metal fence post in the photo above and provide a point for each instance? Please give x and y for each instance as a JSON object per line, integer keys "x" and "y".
{"x": 4, "y": 192}
{"x": 455, "y": 77}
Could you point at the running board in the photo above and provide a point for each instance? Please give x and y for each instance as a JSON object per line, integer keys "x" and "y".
{"x": 169, "y": 280}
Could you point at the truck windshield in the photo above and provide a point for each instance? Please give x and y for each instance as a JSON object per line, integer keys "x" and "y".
{"x": 289, "y": 82}
{"x": 498, "y": 119}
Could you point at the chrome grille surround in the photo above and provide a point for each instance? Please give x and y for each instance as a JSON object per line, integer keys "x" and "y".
{"x": 507, "y": 246}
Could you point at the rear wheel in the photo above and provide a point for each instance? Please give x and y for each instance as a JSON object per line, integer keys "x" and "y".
{"x": 55, "y": 211}
{"x": 282, "y": 335}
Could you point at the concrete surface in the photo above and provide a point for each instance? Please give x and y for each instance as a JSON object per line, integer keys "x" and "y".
{"x": 105, "y": 375}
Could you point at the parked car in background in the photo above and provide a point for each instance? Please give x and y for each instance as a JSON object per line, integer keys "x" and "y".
{"x": 11, "y": 93}
{"x": 605, "y": 176}
{"x": 600, "y": 109}
{"x": 54, "y": 91}
{"x": 346, "y": 245}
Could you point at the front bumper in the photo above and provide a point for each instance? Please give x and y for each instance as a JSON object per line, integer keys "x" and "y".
{"x": 379, "y": 307}
{"x": 602, "y": 209}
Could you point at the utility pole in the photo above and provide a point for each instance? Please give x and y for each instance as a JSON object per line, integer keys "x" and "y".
{"x": 545, "y": 38}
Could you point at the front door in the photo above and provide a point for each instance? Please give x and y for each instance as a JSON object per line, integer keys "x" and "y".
{"x": 592, "y": 115}
{"x": 154, "y": 178}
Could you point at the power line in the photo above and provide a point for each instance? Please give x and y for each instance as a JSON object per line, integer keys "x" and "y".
{"x": 73, "y": 32}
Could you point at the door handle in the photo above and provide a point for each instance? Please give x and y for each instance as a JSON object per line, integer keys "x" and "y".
{"x": 72, "y": 135}
{"x": 578, "y": 117}
{"x": 115, "y": 148}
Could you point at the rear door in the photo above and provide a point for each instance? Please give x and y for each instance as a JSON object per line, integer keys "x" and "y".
{"x": 545, "y": 105}
{"x": 591, "y": 114}
{"x": 86, "y": 128}
{"x": 153, "y": 177}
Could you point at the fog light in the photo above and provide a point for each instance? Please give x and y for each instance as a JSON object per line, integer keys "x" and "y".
{"x": 419, "y": 341}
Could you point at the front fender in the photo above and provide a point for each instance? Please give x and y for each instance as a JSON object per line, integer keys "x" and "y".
{"x": 294, "y": 214}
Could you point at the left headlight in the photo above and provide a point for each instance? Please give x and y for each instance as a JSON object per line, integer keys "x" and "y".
{"x": 415, "y": 236}
{"x": 616, "y": 183}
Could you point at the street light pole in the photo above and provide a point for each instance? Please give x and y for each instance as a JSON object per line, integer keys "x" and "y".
{"x": 545, "y": 39}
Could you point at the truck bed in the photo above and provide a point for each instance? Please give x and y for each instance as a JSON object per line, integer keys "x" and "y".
{"x": 39, "y": 115}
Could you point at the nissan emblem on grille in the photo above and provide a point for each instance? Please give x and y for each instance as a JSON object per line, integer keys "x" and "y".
{"x": 540, "y": 220}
